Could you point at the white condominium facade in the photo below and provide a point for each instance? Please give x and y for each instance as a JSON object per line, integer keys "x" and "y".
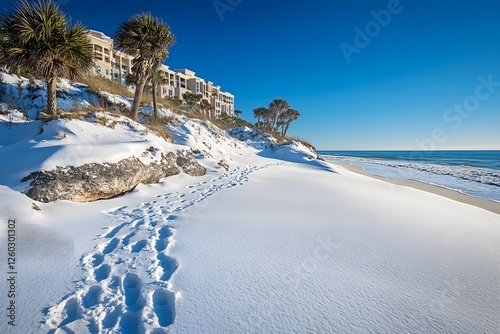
{"x": 183, "y": 80}
{"x": 115, "y": 65}
{"x": 103, "y": 53}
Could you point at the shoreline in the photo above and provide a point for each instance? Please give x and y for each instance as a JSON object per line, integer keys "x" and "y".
{"x": 437, "y": 190}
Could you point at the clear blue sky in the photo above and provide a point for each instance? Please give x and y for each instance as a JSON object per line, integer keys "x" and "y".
{"x": 397, "y": 92}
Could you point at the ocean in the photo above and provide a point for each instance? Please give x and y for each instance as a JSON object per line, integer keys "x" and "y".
{"x": 475, "y": 173}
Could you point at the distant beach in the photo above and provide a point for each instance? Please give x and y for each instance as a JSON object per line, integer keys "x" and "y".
{"x": 473, "y": 173}
{"x": 489, "y": 205}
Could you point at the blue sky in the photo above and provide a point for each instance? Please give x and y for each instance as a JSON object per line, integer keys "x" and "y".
{"x": 402, "y": 89}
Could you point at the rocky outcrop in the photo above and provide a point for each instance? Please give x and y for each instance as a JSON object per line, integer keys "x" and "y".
{"x": 189, "y": 165}
{"x": 94, "y": 181}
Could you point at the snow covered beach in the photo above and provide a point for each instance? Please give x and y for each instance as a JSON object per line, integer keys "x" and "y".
{"x": 279, "y": 243}
{"x": 269, "y": 247}
{"x": 335, "y": 252}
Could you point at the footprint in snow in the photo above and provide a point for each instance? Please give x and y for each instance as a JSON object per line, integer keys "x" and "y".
{"x": 102, "y": 272}
{"x": 91, "y": 298}
{"x": 97, "y": 259}
{"x": 161, "y": 245}
{"x": 163, "y": 305}
{"x": 132, "y": 290}
{"x": 126, "y": 239}
{"x": 111, "y": 318}
{"x": 168, "y": 264}
{"x": 139, "y": 245}
{"x": 115, "y": 230}
{"x": 130, "y": 323}
{"x": 72, "y": 310}
{"x": 110, "y": 246}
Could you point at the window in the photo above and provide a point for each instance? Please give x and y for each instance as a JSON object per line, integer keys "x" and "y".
{"x": 107, "y": 72}
{"x": 98, "y": 69}
{"x": 170, "y": 93}
{"x": 164, "y": 91}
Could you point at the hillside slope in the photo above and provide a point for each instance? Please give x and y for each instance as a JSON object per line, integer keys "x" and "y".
{"x": 93, "y": 154}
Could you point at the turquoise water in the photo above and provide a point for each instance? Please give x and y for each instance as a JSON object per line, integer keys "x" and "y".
{"x": 476, "y": 173}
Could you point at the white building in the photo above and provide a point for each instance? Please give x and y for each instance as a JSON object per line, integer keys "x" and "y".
{"x": 115, "y": 65}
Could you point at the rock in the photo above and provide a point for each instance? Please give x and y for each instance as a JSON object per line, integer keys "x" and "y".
{"x": 223, "y": 164}
{"x": 189, "y": 165}
{"x": 91, "y": 182}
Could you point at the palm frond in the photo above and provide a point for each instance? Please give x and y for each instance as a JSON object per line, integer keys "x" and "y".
{"x": 145, "y": 37}
{"x": 37, "y": 37}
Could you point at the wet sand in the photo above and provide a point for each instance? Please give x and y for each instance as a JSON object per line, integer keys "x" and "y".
{"x": 451, "y": 194}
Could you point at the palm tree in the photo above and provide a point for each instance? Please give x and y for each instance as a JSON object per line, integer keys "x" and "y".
{"x": 2, "y": 41}
{"x": 174, "y": 100}
{"x": 146, "y": 38}
{"x": 238, "y": 112}
{"x": 191, "y": 99}
{"x": 259, "y": 113}
{"x": 157, "y": 79}
{"x": 288, "y": 117}
{"x": 276, "y": 108}
{"x": 206, "y": 106}
{"x": 37, "y": 38}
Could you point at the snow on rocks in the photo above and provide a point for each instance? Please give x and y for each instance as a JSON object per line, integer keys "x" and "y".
{"x": 93, "y": 181}
{"x": 91, "y": 158}
{"x": 123, "y": 103}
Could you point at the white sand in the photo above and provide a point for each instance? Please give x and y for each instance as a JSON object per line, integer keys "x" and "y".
{"x": 271, "y": 247}
{"x": 303, "y": 250}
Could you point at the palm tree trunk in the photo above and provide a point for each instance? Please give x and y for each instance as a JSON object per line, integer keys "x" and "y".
{"x": 155, "y": 103}
{"x": 51, "y": 95}
{"x": 275, "y": 121}
{"x": 139, "y": 89}
{"x": 286, "y": 127}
